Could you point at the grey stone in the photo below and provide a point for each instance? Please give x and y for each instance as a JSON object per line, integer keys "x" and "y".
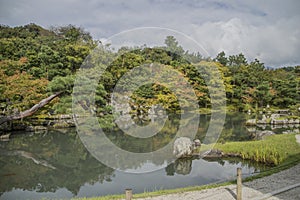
{"x": 262, "y": 121}
{"x": 275, "y": 116}
{"x": 261, "y": 134}
{"x": 291, "y": 121}
{"x": 214, "y": 153}
{"x": 251, "y": 122}
{"x": 197, "y": 143}
{"x": 183, "y": 147}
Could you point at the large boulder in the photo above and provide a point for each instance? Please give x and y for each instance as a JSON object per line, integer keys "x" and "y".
{"x": 183, "y": 147}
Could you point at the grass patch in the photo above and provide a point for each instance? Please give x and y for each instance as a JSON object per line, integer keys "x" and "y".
{"x": 273, "y": 150}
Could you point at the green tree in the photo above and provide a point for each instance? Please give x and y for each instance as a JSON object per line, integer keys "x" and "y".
{"x": 176, "y": 51}
{"x": 221, "y": 58}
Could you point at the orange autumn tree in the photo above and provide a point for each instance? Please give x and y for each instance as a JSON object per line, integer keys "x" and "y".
{"x": 20, "y": 91}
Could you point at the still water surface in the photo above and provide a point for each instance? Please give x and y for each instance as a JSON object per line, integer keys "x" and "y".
{"x": 55, "y": 164}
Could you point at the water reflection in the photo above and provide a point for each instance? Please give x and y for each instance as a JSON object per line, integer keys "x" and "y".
{"x": 56, "y": 164}
{"x": 44, "y": 163}
{"x": 180, "y": 166}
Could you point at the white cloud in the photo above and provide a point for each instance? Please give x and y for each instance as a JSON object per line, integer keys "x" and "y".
{"x": 267, "y": 30}
{"x": 273, "y": 44}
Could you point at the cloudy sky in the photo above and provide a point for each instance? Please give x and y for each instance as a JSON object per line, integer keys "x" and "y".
{"x": 268, "y": 30}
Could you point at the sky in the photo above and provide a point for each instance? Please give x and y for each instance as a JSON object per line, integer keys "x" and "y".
{"x": 267, "y": 30}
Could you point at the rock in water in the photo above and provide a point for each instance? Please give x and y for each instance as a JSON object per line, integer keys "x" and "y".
{"x": 183, "y": 147}
{"x": 251, "y": 122}
{"x": 214, "y": 153}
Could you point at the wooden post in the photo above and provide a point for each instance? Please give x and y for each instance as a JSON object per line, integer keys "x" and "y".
{"x": 239, "y": 184}
{"x": 128, "y": 194}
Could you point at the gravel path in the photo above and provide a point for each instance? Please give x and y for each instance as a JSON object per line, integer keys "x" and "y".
{"x": 253, "y": 190}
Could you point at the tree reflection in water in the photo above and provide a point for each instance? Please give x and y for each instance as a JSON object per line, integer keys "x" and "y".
{"x": 47, "y": 162}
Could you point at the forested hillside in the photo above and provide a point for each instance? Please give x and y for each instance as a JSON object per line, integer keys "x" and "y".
{"x": 36, "y": 62}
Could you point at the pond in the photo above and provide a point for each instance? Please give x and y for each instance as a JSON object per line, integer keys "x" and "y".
{"x": 55, "y": 163}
